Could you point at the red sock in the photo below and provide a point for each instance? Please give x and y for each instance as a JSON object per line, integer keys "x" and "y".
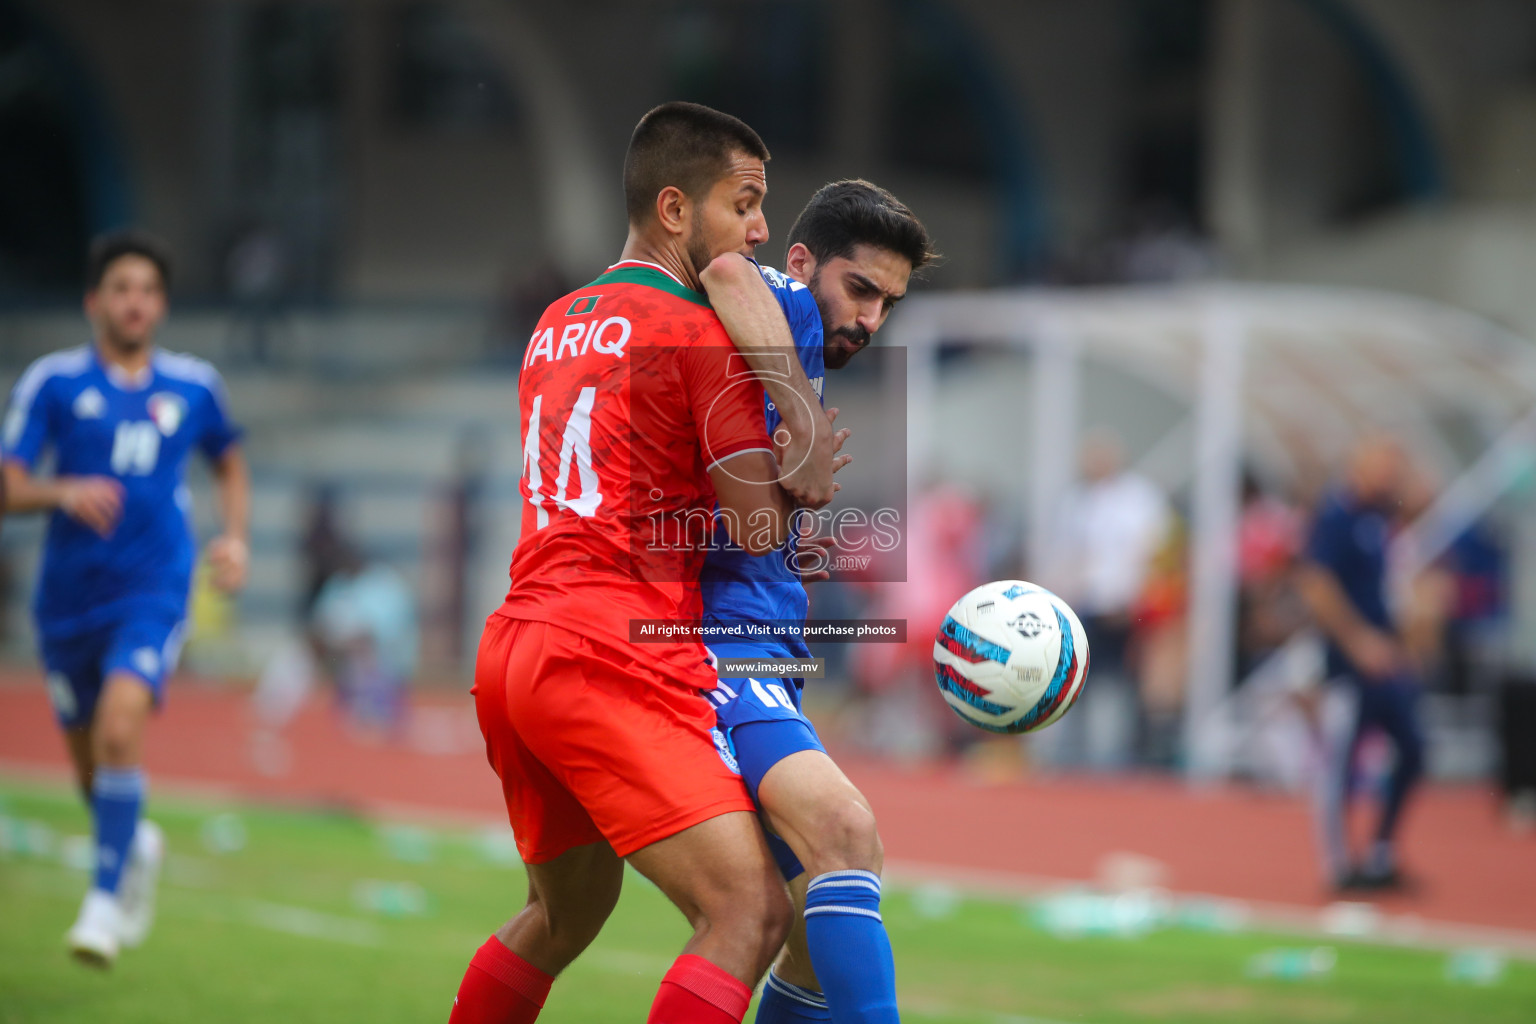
{"x": 500, "y": 987}
{"x": 695, "y": 991}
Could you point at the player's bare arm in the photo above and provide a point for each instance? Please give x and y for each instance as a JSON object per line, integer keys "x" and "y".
{"x": 229, "y": 553}
{"x": 95, "y": 501}
{"x": 756, "y": 510}
{"x": 813, "y": 551}
{"x": 756, "y": 324}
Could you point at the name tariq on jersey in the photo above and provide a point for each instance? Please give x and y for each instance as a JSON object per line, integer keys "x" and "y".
{"x": 606, "y": 336}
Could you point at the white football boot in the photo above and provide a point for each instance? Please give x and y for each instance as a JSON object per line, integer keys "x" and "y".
{"x": 94, "y": 938}
{"x": 136, "y": 894}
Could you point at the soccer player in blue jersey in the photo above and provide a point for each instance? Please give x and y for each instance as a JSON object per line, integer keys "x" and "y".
{"x": 851, "y": 254}
{"x": 120, "y": 419}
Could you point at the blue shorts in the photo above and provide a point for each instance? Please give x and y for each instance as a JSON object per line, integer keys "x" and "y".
{"x": 145, "y": 646}
{"x": 761, "y": 723}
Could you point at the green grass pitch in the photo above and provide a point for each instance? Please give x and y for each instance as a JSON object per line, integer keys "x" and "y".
{"x": 293, "y": 916}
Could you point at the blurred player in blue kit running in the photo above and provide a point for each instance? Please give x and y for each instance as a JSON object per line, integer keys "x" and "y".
{"x": 120, "y": 419}
{"x": 851, "y": 254}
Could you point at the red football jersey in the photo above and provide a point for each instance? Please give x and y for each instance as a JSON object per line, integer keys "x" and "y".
{"x": 630, "y": 391}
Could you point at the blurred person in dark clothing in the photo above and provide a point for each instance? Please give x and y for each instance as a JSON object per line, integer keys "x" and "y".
{"x": 1373, "y": 685}
{"x": 324, "y": 546}
{"x": 520, "y": 302}
{"x": 1479, "y": 562}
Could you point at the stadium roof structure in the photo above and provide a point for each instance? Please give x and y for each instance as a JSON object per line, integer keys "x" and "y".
{"x": 1272, "y": 374}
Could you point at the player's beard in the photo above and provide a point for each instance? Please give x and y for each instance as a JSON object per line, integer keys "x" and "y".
{"x": 698, "y": 249}
{"x": 836, "y": 356}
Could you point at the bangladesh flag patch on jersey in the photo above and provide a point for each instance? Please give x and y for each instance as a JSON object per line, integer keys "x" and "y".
{"x": 585, "y": 304}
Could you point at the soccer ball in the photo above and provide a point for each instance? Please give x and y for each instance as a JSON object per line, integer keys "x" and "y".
{"x": 1011, "y": 657}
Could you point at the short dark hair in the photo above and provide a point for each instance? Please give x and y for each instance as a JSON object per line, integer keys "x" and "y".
{"x": 114, "y": 245}
{"x": 846, "y": 214}
{"x": 685, "y": 145}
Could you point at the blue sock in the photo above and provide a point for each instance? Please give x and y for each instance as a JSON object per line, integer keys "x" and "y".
{"x": 116, "y": 796}
{"x": 783, "y": 1003}
{"x": 849, "y": 947}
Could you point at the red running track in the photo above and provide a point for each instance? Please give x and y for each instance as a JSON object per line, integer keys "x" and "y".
{"x": 1225, "y": 841}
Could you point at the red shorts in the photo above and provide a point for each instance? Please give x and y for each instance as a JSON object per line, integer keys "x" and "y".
{"x": 592, "y": 745}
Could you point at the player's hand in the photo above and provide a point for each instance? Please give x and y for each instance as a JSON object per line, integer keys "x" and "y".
{"x": 805, "y": 462}
{"x": 813, "y": 557}
{"x": 838, "y": 460}
{"x": 230, "y": 558}
{"x": 1375, "y": 654}
{"x": 94, "y": 501}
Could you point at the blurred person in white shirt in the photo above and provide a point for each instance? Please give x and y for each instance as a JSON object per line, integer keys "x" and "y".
{"x": 1112, "y": 525}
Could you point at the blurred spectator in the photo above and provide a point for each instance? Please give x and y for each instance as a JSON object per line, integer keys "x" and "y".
{"x": 1269, "y": 611}
{"x": 1372, "y": 685}
{"x": 519, "y": 304}
{"x": 1160, "y": 649}
{"x": 360, "y": 629}
{"x": 1420, "y": 592}
{"x": 905, "y": 713}
{"x": 1156, "y": 244}
{"x": 1112, "y": 526}
{"x": 7, "y": 584}
{"x": 1162, "y": 245}
{"x": 255, "y": 271}
{"x": 292, "y": 670}
{"x": 322, "y": 546}
{"x": 457, "y": 528}
{"x": 1479, "y": 564}
{"x": 365, "y": 627}
{"x": 1452, "y": 609}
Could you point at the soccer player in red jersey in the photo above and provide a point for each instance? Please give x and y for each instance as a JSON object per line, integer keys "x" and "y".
{"x": 639, "y": 414}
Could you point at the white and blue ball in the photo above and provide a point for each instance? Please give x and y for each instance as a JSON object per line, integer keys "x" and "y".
{"x": 1010, "y": 657}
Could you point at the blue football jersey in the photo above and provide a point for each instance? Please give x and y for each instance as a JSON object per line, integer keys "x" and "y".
{"x": 1350, "y": 539}
{"x": 97, "y": 423}
{"x": 739, "y": 587}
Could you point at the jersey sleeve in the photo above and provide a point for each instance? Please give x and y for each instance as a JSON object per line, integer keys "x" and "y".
{"x": 804, "y": 319}
{"x": 795, "y": 300}
{"x": 28, "y": 418}
{"x": 803, "y": 315}
{"x": 725, "y": 397}
{"x": 219, "y": 430}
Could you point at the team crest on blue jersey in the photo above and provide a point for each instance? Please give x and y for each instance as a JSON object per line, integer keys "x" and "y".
{"x": 89, "y": 405}
{"x": 168, "y": 410}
